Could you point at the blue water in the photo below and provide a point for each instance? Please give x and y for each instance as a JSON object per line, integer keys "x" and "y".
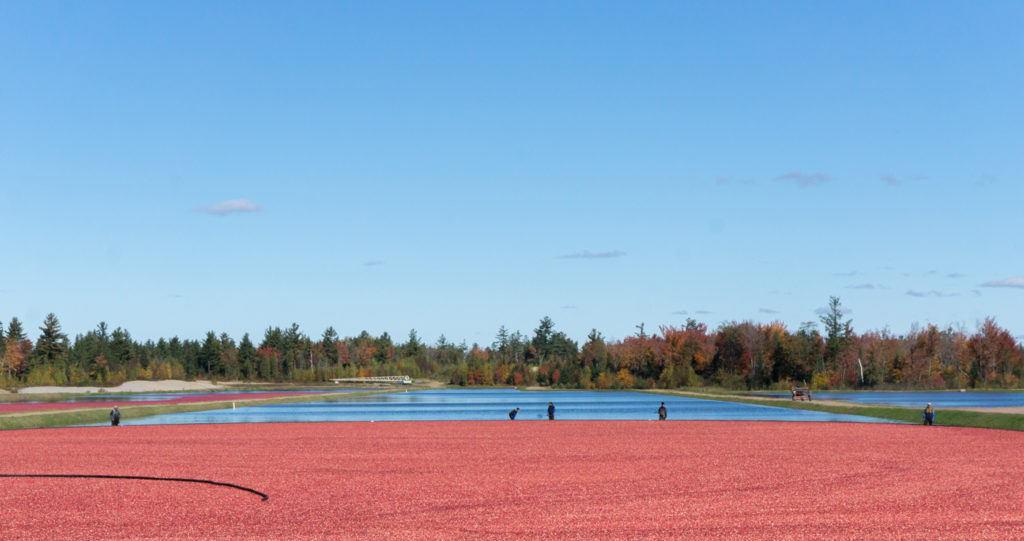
{"x": 495, "y": 404}
{"x": 939, "y": 399}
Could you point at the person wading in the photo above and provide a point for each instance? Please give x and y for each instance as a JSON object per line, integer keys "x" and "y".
{"x": 551, "y": 411}
{"x": 662, "y": 412}
{"x": 115, "y": 417}
{"x": 512, "y": 414}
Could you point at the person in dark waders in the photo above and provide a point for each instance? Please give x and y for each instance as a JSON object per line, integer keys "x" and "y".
{"x": 115, "y": 417}
{"x": 662, "y": 412}
{"x": 512, "y": 414}
{"x": 928, "y": 415}
{"x": 551, "y": 411}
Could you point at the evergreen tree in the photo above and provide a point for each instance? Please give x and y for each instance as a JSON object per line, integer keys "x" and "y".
{"x": 273, "y": 338}
{"x": 121, "y": 348}
{"x": 52, "y": 346}
{"x": 562, "y": 347}
{"x": 246, "y": 358}
{"x": 595, "y": 352}
{"x": 838, "y": 332}
{"x": 14, "y": 330}
{"x": 190, "y": 353}
{"x": 146, "y": 354}
{"x": 444, "y": 351}
{"x": 329, "y": 341}
{"x": 209, "y": 355}
{"x": 306, "y": 352}
{"x": 175, "y": 349}
{"x": 293, "y": 338}
{"x": 290, "y": 355}
{"x": 385, "y": 348}
{"x": 542, "y": 338}
{"x": 500, "y": 344}
{"x": 413, "y": 347}
{"x": 228, "y": 357}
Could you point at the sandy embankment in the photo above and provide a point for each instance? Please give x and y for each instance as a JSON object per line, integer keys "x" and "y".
{"x": 137, "y": 386}
{"x": 1008, "y": 409}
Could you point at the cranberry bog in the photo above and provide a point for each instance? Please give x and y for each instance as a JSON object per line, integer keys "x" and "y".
{"x": 515, "y": 480}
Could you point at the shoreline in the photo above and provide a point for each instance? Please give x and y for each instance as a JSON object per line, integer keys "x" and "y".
{"x": 134, "y": 386}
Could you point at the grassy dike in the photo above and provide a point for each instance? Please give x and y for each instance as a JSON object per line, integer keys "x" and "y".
{"x": 943, "y": 417}
{"x": 138, "y": 410}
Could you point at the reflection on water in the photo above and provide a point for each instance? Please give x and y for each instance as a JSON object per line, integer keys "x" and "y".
{"x": 494, "y": 404}
{"x": 913, "y": 399}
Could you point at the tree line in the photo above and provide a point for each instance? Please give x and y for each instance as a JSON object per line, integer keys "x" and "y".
{"x": 735, "y": 355}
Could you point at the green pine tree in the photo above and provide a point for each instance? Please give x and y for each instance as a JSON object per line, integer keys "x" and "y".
{"x": 14, "y": 330}
{"x": 246, "y": 357}
{"x": 52, "y": 347}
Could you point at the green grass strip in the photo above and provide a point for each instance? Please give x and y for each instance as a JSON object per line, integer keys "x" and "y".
{"x": 943, "y": 417}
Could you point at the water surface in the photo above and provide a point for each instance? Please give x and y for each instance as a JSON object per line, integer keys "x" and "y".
{"x": 495, "y": 404}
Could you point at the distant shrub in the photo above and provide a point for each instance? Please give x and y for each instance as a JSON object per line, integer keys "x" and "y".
{"x": 821, "y": 380}
{"x": 729, "y": 381}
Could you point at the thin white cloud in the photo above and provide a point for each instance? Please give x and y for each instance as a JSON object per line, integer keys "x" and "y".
{"x": 587, "y": 254}
{"x": 932, "y": 293}
{"x": 865, "y": 286}
{"x": 767, "y": 311}
{"x": 680, "y": 313}
{"x": 569, "y": 307}
{"x": 1016, "y": 281}
{"x": 721, "y": 181}
{"x": 805, "y": 180}
{"x": 373, "y": 263}
{"x": 891, "y": 180}
{"x": 702, "y": 312}
{"x": 955, "y": 275}
{"x": 231, "y": 206}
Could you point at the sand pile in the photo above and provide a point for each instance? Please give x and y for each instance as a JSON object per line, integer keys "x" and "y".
{"x": 130, "y": 387}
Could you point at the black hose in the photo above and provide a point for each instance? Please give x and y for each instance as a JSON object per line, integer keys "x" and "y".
{"x": 138, "y": 477}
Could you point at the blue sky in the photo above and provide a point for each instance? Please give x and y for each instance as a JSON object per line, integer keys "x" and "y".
{"x": 178, "y": 167}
